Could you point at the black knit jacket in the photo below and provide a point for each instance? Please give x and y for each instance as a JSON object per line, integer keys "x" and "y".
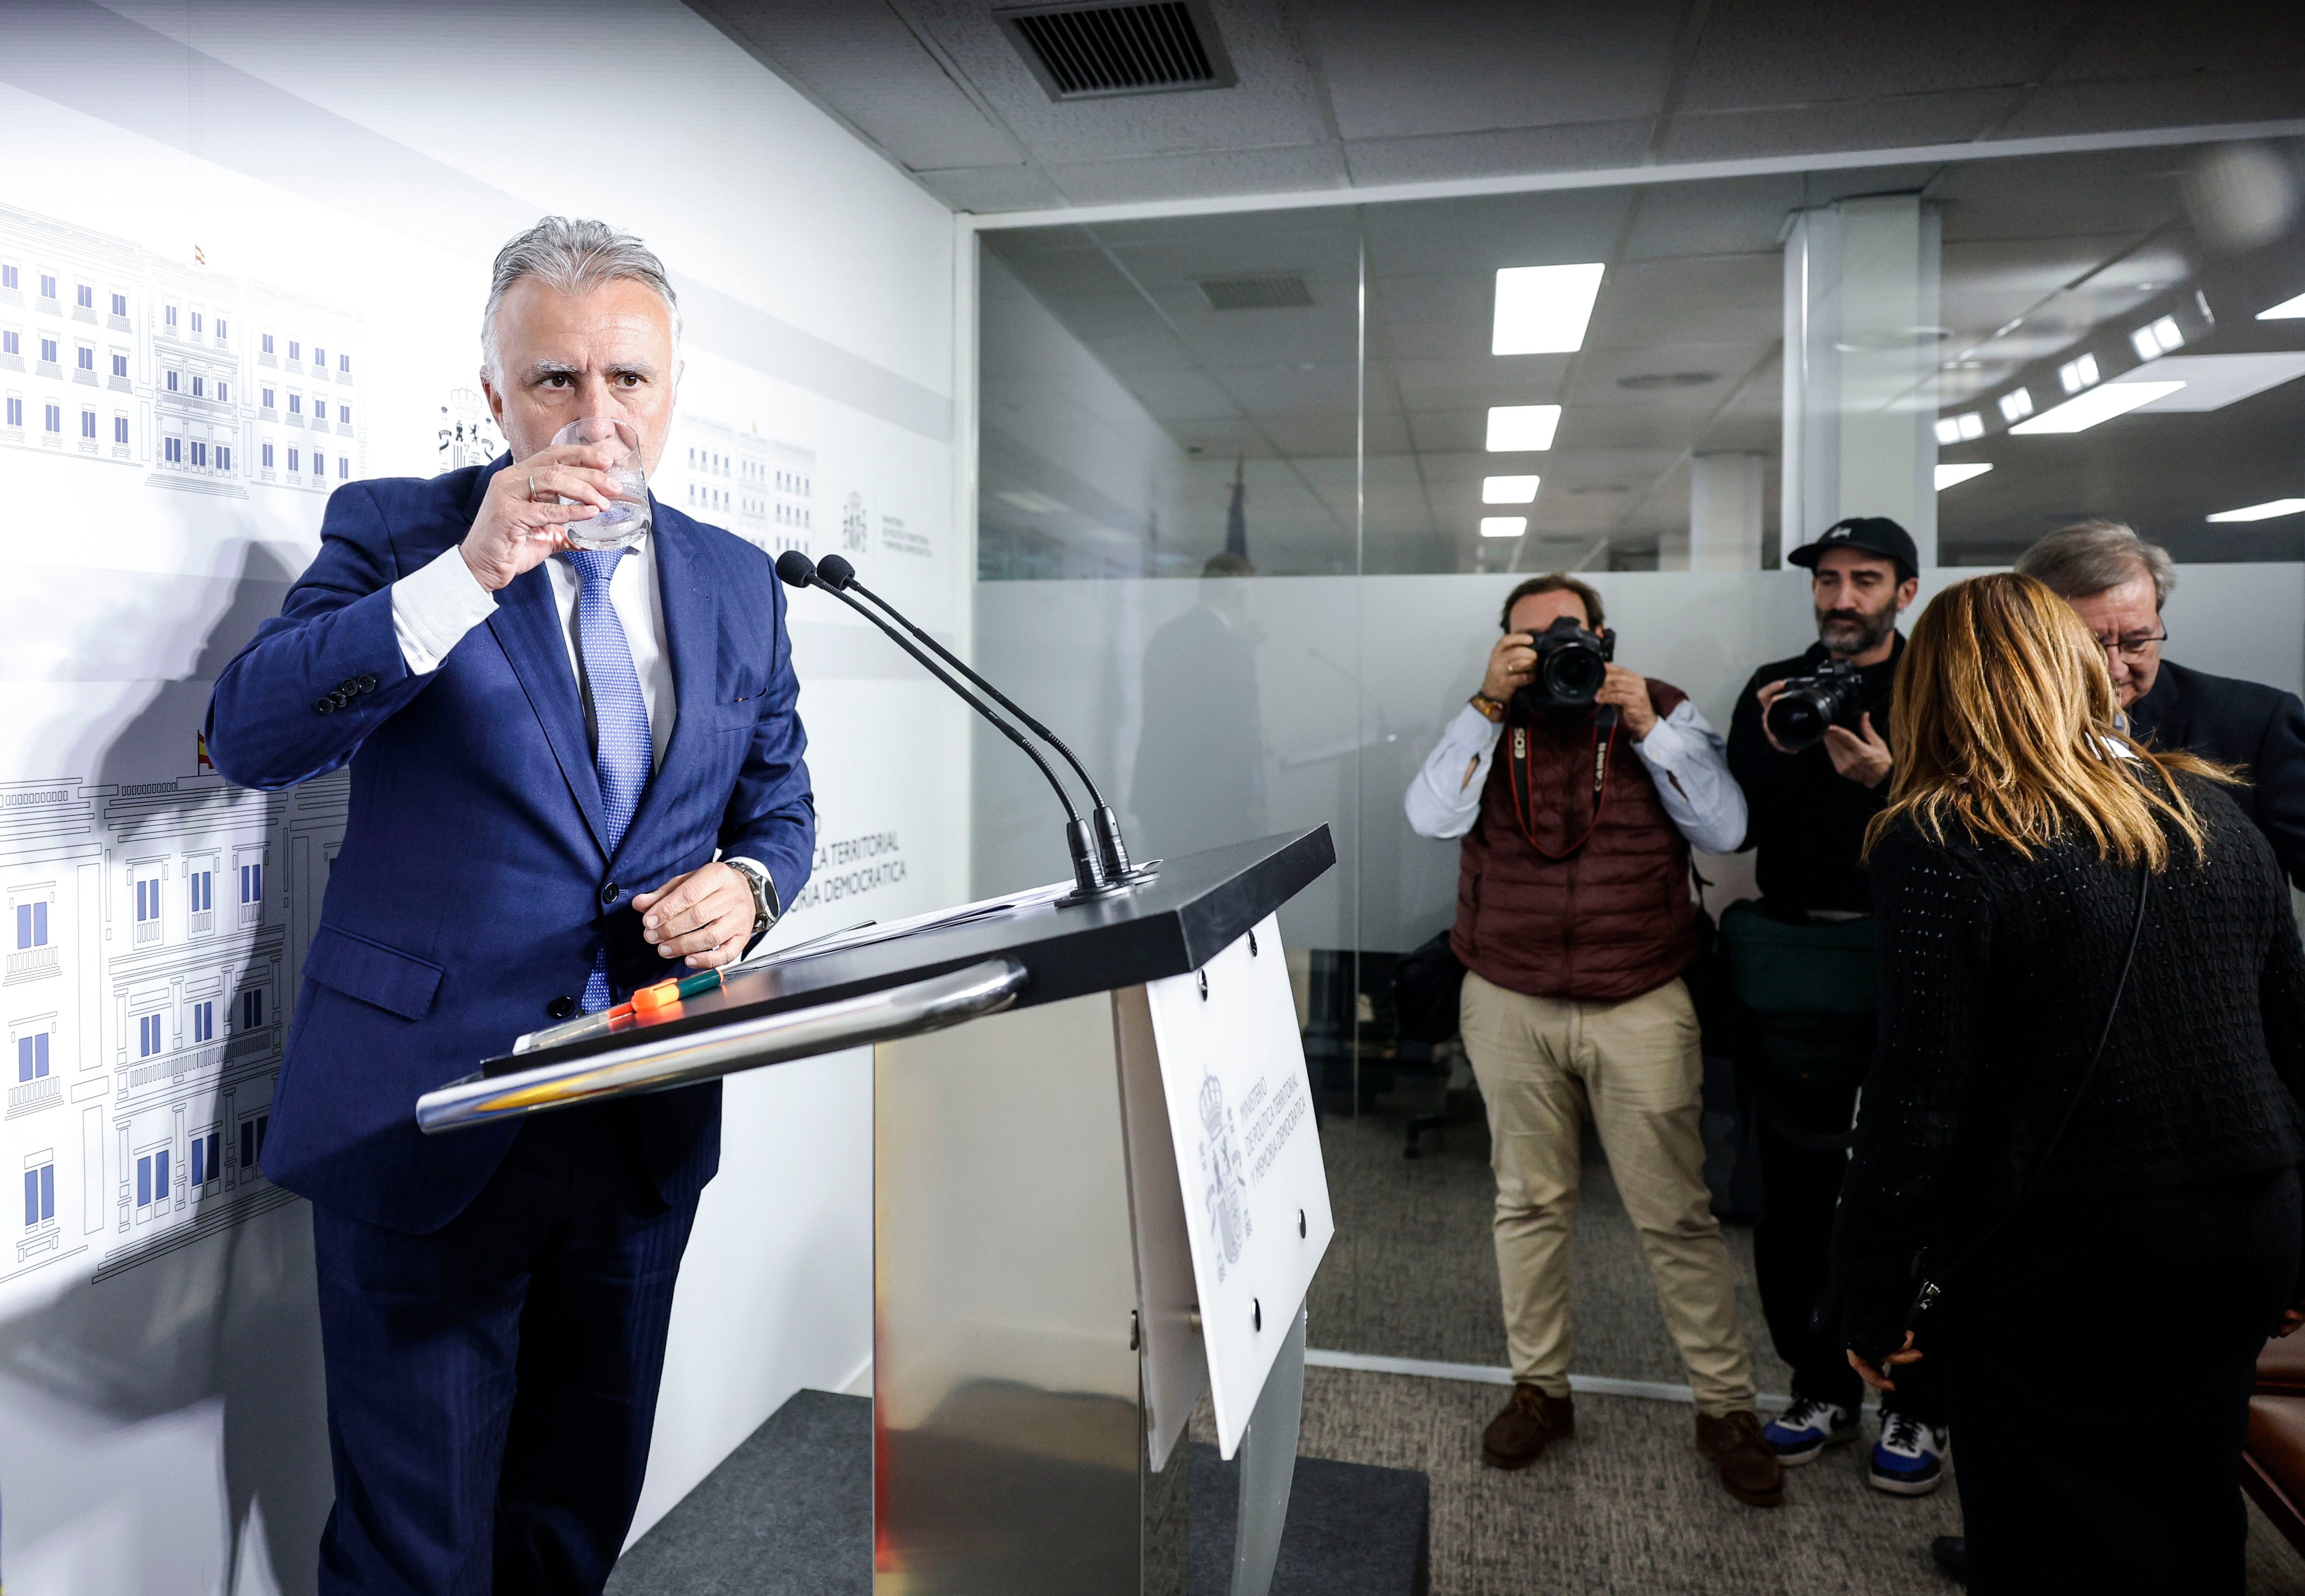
{"x": 1996, "y": 973}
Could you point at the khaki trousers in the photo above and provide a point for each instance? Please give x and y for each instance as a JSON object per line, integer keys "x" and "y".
{"x": 1542, "y": 1062}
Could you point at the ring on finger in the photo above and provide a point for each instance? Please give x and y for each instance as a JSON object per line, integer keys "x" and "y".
{"x": 532, "y": 485}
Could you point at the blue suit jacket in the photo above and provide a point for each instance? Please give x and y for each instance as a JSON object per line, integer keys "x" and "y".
{"x": 474, "y": 886}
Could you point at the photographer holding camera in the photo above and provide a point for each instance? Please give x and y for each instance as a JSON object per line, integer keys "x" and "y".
{"x": 1807, "y": 745}
{"x": 1578, "y": 787}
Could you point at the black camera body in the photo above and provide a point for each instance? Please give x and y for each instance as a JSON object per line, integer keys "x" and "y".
{"x": 1571, "y": 665}
{"x": 1830, "y": 695}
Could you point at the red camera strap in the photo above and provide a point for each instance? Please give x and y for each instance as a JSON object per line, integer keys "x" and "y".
{"x": 1517, "y": 773}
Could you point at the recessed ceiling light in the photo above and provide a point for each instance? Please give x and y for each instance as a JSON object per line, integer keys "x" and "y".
{"x": 2078, "y": 374}
{"x": 1949, "y": 475}
{"x": 1508, "y": 491}
{"x": 1954, "y": 429}
{"x": 1543, "y": 309}
{"x": 2098, "y": 404}
{"x": 1031, "y": 504}
{"x": 2016, "y": 405}
{"x": 2288, "y": 310}
{"x": 2264, "y": 512}
{"x": 1516, "y": 428}
{"x": 1503, "y": 526}
{"x": 2157, "y": 338}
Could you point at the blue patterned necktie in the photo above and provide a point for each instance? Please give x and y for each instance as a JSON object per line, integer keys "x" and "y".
{"x": 622, "y": 752}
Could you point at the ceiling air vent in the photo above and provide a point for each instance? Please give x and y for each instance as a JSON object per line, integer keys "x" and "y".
{"x": 1118, "y": 46}
{"x": 1282, "y": 291}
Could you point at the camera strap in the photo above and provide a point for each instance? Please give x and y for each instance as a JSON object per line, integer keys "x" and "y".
{"x": 1523, "y": 782}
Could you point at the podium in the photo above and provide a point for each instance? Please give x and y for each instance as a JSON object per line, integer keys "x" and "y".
{"x": 1098, "y": 1196}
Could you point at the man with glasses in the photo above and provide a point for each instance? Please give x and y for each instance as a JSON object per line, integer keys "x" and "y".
{"x": 2117, "y": 582}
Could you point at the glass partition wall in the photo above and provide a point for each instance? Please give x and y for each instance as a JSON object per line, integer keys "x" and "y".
{"x": 1253, "y": 487}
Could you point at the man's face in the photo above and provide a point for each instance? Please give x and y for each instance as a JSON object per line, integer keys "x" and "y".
{"x": 1535, "y": 613}
{"x": 1859, "y": 599}
{"x": 2127, "y": 623}
{"x": 566, "y": 357}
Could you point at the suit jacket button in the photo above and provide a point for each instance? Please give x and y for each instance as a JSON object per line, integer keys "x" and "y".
{"x": 324, "y": 705}
{"x": 365, "y": 685}
{"x": 610, "y": 893}
{"x": 561, "y": 1008}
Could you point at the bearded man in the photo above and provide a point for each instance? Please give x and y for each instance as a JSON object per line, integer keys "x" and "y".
{"x": 1807, "y": 1039}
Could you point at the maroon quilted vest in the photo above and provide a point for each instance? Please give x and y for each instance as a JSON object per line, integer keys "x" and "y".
{"x": 1614, "y": 919}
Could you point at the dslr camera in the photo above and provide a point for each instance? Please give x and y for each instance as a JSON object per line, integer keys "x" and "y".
{"x": 1830, "y": 696}
{"x": 1571, "y": 665}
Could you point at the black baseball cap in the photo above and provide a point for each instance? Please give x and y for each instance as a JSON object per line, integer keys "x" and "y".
{"x": 1874, "y": 534}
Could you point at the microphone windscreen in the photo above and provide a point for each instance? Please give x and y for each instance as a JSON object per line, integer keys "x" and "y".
{"x": 837, "y": 571}
{"x": 796, "y": 568}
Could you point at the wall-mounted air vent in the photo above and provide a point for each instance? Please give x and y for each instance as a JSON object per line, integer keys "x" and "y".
{"x": 1281, "y": 291}
{"x": 1118, "y": 46}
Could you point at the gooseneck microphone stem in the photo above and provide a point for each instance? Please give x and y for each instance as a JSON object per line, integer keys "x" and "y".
{"x": 1081, "y": 841}
{"x": 839, "y": 574}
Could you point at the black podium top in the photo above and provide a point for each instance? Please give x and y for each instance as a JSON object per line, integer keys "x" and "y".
{"x": 1173, "y": 924}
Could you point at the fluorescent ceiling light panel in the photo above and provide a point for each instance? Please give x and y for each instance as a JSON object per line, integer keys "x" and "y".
{"x": 1031, "y": 503}
{"x": 2016, "y": 405}
{"x": 2264, "y": 512}
{"x": 2075, "y": 375}
{"x": 1948, "y": 431}
{"x": 1517, "y": 428}
{"x": 1950, "y": 476}
{"x": 1543, "y": 309}
{"x": 2288, "y": 310}
{"x": 1503, "y": 526}
{"x": 2098, "y": 404}
{"x": 2213, "y": 381}
{"x": 1509, "y": 490}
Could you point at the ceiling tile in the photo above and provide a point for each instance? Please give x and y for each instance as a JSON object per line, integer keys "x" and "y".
{"x": 1574, "y": 147}
{"x": 1287, "y": 169}
{"x": 1468, "y": 66}
{"x": 1950, "y": 117}
{"x": 984, "y": 190}
{"x": 1771, "y": 54}
{"x": 2209, "y": 97}
{"x": 863, "y": 62}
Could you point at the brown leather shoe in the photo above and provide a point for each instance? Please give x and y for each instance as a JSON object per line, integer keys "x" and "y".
{"x": 1749, "y": 1465}
{"x": 1531, "y": 1422}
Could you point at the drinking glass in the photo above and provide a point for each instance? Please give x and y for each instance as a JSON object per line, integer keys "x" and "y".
{"x": 627, "y": 515}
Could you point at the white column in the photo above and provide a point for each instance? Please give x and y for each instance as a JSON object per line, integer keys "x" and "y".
{"x": 1861, "y": 339}
{"x": 1724, "y": 512}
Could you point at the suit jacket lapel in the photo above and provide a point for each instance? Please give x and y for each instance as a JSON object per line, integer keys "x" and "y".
{"x": 527, "y": 627}
{"x": 688, "y": 589}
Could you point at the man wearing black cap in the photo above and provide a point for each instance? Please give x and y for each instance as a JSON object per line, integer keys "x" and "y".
{"x": 1801, "y": 963}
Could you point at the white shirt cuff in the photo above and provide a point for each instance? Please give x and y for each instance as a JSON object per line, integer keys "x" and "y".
{"x": 433, "y": 606}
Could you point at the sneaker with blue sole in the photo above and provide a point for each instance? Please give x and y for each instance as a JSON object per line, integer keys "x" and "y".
{"x": 1909, "y": 1457}
{"x": 1807, "y": 1428}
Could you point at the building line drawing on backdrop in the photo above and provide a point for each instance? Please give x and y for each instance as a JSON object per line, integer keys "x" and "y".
{"x": 112, "y": 353}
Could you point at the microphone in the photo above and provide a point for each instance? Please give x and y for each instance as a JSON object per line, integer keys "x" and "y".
{"x": 797, "y": 570}
{"x": 839, "y": 575}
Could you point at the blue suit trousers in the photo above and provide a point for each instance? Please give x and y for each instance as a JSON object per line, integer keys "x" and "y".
{"x": 492, "y": 1384}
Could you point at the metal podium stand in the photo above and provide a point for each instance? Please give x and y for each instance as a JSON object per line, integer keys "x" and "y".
{"x": 1038, "y": 1338}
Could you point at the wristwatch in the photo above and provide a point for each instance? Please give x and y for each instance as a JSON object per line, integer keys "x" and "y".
{"x": 764, "y": 895}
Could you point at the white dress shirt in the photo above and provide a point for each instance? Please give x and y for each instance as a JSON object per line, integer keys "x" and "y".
{"x": 433, "y": 607}
{"x": 1685, "y": 756}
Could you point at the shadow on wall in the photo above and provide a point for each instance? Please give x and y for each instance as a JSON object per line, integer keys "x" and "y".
{"x": 155, "y": 743}
{"x": 229, "y": 1324}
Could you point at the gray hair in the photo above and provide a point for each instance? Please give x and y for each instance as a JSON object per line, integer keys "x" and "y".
{"x": 572, "y": 257}
{"x": 2080, "y": 561}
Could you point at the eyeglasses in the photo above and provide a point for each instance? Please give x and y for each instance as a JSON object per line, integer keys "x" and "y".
{"x": 2132, "y": 648}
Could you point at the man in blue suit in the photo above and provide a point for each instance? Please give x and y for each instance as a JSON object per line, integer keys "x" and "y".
{"x": 573, "y": 773}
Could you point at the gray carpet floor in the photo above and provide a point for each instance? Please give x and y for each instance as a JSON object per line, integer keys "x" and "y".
{"x": 1411, "y": 1273}
{"x": 1628, "y": 1505}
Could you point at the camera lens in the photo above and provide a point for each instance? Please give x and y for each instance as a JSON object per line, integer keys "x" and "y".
{"x": 1573, "y": 675}
{"x": 1798, "y": 718}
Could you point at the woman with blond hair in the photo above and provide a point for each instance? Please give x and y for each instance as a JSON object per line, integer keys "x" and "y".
{"x": 2075, "y": 1160}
